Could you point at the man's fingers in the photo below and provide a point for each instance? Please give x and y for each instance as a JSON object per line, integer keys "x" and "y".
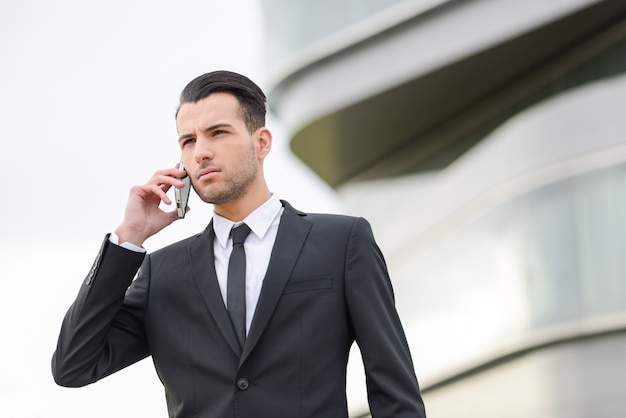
{"x": 174, "y": 172}
{"x": 158, "y": 190}
{"x": 147, "y": 191}
{"x": 164, "y": 181}
{"x": 159, "y": 184}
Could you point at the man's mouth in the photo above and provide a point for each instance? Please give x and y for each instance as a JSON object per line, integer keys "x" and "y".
{"x": 206, "y": 173}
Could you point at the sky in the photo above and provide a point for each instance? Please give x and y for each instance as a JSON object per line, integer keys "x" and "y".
{"x": 88, "y": 94}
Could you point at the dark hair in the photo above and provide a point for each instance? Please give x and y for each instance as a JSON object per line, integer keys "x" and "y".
{"x": 250, "y": 96}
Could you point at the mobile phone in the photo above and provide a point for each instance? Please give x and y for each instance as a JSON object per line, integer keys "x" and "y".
{"x": 182, "y": 194}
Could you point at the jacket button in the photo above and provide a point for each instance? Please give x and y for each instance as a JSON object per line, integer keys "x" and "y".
{"x": 243, "y": 383}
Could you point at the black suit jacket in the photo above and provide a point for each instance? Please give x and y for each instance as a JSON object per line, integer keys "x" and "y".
{"x": 326, "y": 286}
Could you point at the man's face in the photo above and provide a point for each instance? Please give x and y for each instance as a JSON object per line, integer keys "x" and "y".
{"x": 218, "y": 151}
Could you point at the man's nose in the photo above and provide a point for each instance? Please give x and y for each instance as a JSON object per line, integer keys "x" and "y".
{"x": 203, "y": 150}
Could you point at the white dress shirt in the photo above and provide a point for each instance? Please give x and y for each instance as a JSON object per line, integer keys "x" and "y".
{"x": 263, "y": 224}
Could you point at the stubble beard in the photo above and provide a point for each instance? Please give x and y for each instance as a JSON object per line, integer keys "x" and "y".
{"x": 235, "y": 186}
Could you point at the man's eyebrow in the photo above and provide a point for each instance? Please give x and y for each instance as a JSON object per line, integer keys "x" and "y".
{"x": 217, "y": 126}
{"x": 209, "y": 129}
{"x": 185, "y": 136}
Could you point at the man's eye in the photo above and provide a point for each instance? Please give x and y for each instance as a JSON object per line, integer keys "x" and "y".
{"x": 187, "y": 142}
{"x": 218, "y": 132}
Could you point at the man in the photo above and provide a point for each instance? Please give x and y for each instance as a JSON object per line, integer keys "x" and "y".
{"x": 314, "y": 284}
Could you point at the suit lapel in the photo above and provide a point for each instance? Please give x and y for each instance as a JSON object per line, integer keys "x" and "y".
{"x": 202, "y": 263}
{"x": 292, "y": 233}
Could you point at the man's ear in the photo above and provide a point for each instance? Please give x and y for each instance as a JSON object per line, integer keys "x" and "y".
{"x": 263, "y": 142}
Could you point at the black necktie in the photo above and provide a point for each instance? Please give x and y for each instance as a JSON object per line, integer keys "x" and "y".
{"x": 236, "y": 288}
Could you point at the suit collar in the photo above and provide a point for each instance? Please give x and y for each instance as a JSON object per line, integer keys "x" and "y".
{"x": 292, "y": 232}
{"x": 203, "y": 269}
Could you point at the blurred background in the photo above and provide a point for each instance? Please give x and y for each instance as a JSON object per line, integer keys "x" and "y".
{"x": 483, "y": 139}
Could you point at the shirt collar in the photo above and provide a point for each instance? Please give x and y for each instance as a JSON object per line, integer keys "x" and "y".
{"x": 259, "y": 221}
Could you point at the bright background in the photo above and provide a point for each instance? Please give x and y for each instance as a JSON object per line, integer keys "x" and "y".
{"x": 87, "y": 99}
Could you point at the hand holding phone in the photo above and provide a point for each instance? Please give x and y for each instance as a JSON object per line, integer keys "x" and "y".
{"x": 182, "y": 194}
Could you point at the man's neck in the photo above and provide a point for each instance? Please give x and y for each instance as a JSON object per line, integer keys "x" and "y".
{"x": 238, "y": 210}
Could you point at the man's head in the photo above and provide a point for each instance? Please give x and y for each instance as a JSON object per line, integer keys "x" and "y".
{"x": 224, "y": 141}
{"x": 250, "y": 97}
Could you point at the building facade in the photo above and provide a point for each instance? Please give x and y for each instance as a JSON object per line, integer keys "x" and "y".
{"x": 485, "y": 140}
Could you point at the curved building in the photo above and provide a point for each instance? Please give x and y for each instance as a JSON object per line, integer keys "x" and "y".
{"x": 485, "y": 140}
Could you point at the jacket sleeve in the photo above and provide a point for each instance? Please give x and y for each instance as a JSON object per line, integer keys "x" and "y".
{"x": 392, "y": 386}
{"x": 102, "y": 331}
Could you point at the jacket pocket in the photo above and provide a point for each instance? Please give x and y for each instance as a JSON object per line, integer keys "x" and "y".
{"x": 307, "y": 284}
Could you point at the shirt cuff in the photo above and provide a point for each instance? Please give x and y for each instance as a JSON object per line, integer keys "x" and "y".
{"x": 114, "y": 239}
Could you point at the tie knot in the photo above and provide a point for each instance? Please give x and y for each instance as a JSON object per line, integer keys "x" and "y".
{"x": 239, "y": 234}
